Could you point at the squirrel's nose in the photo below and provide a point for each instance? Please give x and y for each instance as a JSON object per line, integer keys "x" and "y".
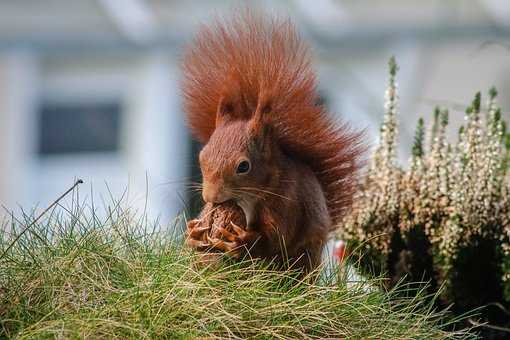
{"x": 214, "y": 195}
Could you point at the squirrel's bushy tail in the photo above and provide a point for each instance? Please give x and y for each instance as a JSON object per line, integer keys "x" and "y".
{"x": 246, "y": 59}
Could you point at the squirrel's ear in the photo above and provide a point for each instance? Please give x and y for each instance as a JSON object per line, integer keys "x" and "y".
{"x": 259, "y": 118}
{"x": 231, "y": 105}
{"x": 258, "y": 126}
{"x": 225, "y": 110}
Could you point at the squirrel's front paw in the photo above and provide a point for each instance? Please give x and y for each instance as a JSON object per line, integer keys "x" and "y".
{"x": 196, "y": 235}
{"x": 233, "y": 242}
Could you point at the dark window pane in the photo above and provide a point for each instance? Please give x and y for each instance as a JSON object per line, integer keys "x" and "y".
{"x": 195, "y": 202}
{"x": 72, "y": 128}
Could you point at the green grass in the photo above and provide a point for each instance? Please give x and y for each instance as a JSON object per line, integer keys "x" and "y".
{"x": 75, "y": 275}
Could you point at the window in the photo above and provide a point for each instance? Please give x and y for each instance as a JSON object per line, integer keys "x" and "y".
{"x": 78, "y": 127}
{"x": 195, "y": 202}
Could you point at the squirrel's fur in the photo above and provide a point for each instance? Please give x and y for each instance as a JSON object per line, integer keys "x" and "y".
{"x": 250, "y": 68}
{"x": 249, "y": 57}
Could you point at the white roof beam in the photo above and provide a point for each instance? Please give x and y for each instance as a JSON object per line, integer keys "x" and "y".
{"x": 133, "y": 18}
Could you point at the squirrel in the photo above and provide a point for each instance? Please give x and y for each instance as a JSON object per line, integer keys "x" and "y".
{"x": 251, "y": 99}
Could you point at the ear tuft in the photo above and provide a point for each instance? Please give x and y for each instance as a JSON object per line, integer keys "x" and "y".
{"x": 226, "y": 110}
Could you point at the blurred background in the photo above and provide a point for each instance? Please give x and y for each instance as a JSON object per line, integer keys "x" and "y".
{"x": 90, "y": 89}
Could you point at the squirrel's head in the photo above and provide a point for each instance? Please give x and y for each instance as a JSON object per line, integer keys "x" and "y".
{"x": 237, "y": 160}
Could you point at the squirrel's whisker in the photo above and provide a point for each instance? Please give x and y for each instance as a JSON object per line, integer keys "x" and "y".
{"x": 266, "y": 192}
{"x": 239, "y": 191}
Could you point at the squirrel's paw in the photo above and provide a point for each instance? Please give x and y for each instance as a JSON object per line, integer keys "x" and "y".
{"x": 233, "y": 242}
{"x": 232, "y": 249}
{"x": 195, "y": 235}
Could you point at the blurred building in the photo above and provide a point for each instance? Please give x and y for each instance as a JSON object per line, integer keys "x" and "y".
{"x": 89, "y": 89}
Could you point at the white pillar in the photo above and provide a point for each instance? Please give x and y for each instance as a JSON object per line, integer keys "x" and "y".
{"x": 156, "y": 140}
{"x": 18, "y": 96}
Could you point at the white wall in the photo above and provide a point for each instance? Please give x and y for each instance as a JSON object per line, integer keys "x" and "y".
{"x": 155, "y": 139}
{"x": 154, "y": 143}
{"x": 19, "y": 76}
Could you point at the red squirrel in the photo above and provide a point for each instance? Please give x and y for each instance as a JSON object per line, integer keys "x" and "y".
{"x": 251, "y": 98}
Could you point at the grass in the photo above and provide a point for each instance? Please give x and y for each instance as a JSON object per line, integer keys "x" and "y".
{"x": 76, "y": 275}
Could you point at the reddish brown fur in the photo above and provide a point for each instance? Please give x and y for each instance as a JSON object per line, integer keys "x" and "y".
{"x": 249, "y": 80}
{"x": 248, "y": 56}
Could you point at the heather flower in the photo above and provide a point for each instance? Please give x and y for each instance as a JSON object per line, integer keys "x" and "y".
{"x": 452, "y": 197}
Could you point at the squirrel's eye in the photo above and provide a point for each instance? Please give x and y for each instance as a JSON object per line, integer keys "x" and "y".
{"x": 243, "y": 167}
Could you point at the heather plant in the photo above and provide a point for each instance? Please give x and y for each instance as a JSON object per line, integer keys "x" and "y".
{"x": 443, "y": 219}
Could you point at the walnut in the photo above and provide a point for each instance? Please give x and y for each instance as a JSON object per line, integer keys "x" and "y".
{"x": 221, "y": 215}
{"x": 218, "y": 216}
